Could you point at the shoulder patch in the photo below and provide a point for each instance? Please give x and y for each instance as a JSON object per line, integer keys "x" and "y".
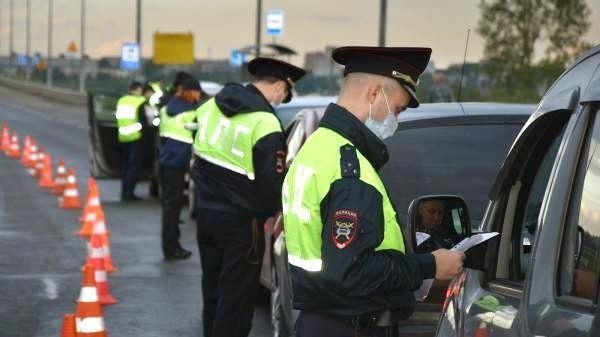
{"x": 344, "y": 227}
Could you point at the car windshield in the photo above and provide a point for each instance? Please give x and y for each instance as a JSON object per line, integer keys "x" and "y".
{"x": 427, "y": 160}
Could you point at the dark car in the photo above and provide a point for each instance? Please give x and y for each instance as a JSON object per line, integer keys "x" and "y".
{"x": 105, "y": 150}
{"x": 540, "y": 276}
{"x": 433, "y": 150}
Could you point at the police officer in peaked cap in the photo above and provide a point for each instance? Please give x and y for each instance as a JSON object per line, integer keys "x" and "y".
{"x": 238, "y": 172}
{"x": 352, "y": 273}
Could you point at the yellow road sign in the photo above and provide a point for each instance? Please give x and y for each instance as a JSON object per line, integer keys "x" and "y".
{"x": 173, "y": 49}
{"x": 72, "y": 48}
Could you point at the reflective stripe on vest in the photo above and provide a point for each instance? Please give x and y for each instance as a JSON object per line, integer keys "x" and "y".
{"x": 127, "y": 118}
{"x": 174, "y": 126}
{"x": 228, "y": 141}
{"x": 307, "y": 183}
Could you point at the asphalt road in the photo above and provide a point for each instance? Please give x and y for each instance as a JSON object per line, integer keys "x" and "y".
{"x": 40, "y": 255}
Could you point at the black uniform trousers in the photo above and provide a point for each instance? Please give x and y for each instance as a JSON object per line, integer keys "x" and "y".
{"x": 313, "y": 324}
{"x": 230, "y": 253}
{"x": 130, "y": 163}
{"x": 172, "y": 183}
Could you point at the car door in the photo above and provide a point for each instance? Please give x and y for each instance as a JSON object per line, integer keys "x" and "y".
{"x": 519, "y": 292}
{"x": 105, "y": 149}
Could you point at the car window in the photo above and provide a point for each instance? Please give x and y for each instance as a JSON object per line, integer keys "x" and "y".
{"x": 286, "y": 114}
{"x": 452, "y": 159}
{"x": 104, "y": 107}
{"x": 529, "y": 222}
{"x": 581, "y": 258}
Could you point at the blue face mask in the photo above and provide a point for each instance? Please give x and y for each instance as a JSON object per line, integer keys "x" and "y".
{"x": 385, "y": 128}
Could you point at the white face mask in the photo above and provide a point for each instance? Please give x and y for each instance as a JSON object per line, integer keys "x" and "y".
{"x": 385, "y": 128}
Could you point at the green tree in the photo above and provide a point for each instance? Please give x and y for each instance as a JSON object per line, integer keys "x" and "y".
{"x": 567, "y": 22}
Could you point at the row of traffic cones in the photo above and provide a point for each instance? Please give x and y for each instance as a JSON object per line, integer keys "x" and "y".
{"x": 88, "y": 317}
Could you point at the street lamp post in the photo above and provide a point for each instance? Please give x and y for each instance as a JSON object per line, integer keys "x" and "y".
{"x": 382, "y": 22}
{"x": 12, "y": 29}
{"x": 258, "y": 27}
{"x": 28, "y": 42}
{"x": 49, "y": 53}
{"x": 82, "y": 68}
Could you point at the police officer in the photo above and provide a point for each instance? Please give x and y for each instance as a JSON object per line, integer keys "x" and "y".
{"x": 175, "y": 153}
{"x": 130, "y": 122}
{"x": 238, "y": 171}
{"x": 180, "y": 77}
{"x": 350, "y": 269}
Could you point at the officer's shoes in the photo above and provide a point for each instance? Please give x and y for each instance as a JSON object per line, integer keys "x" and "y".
{"x": 178, "y": 254}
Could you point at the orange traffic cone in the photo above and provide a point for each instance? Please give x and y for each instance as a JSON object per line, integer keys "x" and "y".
{"x": 33, "y": 154}
{"x": 26, "y": 149}
{"x": 101, "y": 231}
{"x": 5, "y": 143}
{"x": 69, "y": 329}
{"x": 96, "y": 259}
{"x": 70, "y": 198}
{"x": 39, "y": 163}
{"x": 88, "y": 314}
{"x": 46, "y": 180}
{"x": 92, "y": 209}
{"x": 61, "y": 178}
{"x": 14, "y": 150}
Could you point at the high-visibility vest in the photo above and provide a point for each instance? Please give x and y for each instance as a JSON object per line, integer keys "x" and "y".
{"x": 130, "y": 128}
{"x": 308, "y": 182}
{"x": 174, "y": 126}
{"x": 228, "y": 141}
{"x": 158, "y": 92}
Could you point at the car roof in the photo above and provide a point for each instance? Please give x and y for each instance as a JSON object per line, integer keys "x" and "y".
{"x": 309, "y": 101}
{"x": 441, "y": 110}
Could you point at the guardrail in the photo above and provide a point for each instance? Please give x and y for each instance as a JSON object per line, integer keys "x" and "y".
{"x": 52, "y": 93}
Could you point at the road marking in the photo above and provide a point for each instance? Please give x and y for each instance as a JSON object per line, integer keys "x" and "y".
{"x": 51, "y": 288}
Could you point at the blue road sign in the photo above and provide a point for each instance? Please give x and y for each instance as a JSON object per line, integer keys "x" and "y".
{"x": 130, "y": 56}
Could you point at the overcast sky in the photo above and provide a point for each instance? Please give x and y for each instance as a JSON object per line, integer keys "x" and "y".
{"x": 220, "y": 25}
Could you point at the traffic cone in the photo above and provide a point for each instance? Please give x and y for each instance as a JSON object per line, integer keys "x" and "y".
{"x": 61, "y": 178}
{"x": 39, "y": 163}
{"x": 101, "y": 231}
{"x": 33, "y": 155}
{"x": 46, "y": 180}
{"x": 96, "y": 259}
{"x": 26, "y": 148}
{"x": 5, "y": 143}
{"x": 91, "y": 210}
{"x": 69, "y": 328}
{"x": 70, "y": 198}
{"x": 89, "y": 320}
{"x": 14, "y": 150}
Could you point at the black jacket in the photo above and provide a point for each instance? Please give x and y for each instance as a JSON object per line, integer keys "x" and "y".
{"x": 356, "y": 279}
{"x": 224, "y": 191}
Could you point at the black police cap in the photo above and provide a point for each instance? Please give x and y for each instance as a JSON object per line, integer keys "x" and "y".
{"x": 262, "y": 66}
{"x": 191, "y": 84}
{"x": 404, "y": 64}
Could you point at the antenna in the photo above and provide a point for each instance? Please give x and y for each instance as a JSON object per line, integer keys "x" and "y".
{"x": 462, "y": 72}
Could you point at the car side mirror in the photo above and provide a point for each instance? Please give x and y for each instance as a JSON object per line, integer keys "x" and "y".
{"x": 437, "y": 221}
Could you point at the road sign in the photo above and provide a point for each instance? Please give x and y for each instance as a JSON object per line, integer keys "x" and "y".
{"x": 72, "y": 47}
{"x": 236, "y": 58}
{"x": 275, "y": 23}
{"x": 130, "y": 56}
{"x": 173, "y": 49}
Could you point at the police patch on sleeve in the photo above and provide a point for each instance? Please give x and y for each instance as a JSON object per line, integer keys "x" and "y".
{"x": 344, "y": 227}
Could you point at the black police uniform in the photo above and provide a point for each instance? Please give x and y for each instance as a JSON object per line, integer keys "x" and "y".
{"x": 381, "y": 283}
{"x": 230, "y": 209}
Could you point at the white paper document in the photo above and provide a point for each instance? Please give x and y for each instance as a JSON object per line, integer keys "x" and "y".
{"x": 472, "y": 241}
{"x": 421, "y": 237}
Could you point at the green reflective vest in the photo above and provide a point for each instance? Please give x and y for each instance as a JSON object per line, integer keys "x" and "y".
{"x": 174, "y": 126}
{"x": 307, "y": 183}
{"x": 228, "y": 141}
{"x": 130, "y": 128}
{"x": 158, "y": 93}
